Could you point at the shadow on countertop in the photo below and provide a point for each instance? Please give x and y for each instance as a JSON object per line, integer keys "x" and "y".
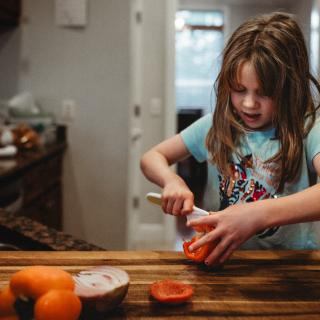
{"x": 22, "y": 233}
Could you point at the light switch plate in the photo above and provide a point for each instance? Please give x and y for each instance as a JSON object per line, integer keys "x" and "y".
{"x": 155, "y": 107}
{"x": 71, "y": 13}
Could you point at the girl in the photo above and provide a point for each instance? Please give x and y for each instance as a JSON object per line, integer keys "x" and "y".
{"x": 261, "y": 143}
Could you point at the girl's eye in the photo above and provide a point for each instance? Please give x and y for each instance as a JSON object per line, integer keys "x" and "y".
{"x": 262, "y": 94}
{"x": 239, "y": 90}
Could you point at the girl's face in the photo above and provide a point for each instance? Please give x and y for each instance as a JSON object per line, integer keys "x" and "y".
{"x": 253, "y": 108}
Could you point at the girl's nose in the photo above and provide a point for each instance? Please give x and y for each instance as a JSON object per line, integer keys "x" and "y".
{"x": 249, "y": 101}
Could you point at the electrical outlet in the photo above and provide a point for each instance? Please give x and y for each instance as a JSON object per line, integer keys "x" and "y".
{"x": 68, "y": 111}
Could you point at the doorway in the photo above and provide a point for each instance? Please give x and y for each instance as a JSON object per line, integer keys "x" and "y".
{"x": 153, "y": 80}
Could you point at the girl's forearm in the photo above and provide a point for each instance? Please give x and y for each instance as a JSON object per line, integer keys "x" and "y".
{"x": 157, "y": 169}
{"x": 303, "y": 206}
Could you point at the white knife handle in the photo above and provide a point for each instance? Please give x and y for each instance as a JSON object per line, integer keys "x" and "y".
{"x": 156, "y": 199}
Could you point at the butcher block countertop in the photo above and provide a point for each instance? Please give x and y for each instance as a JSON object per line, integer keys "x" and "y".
{"x": 251, "y": 285}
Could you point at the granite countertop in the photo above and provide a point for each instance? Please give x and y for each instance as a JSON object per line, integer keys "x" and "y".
{"x": 30, "y": 235}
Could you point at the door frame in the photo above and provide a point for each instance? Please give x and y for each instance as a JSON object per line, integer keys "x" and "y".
{"x": 170, "y": 126}
{"x": 135, "y": 229}
{"x": 134, "y": 124}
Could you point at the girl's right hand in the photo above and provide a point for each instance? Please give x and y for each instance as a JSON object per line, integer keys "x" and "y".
{"x": 177, "y": 199}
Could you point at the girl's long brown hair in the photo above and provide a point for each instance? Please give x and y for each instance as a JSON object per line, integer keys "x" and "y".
{"x": 275, "y": 45}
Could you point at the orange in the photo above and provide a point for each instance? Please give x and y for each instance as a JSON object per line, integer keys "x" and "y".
{"x": 7, "y": 300}
{"x": 57, "y": 305}
{"x": 34, "y": 281}
{"x": 12, "y": 317}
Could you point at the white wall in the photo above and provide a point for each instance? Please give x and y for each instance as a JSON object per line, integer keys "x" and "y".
{"x": 91, "y": 66}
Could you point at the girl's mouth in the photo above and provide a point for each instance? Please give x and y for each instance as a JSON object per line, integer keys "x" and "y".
{"x": 251, "y": 117}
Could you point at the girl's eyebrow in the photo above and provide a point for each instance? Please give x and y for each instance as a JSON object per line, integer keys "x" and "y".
{"x": 235, "y": 85}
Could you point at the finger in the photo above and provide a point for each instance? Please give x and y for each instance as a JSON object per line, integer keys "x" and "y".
{"x": 187, "y": 206}
{"x": 177, "y": 206}
{"x": 218, "y": 251}
{"x": 208, "y": 237}
{"x": 228, "y": 253}
{"x": 164, "y": 203}
{"x": 169, "y": 206}
{"x": 209, "y": 220}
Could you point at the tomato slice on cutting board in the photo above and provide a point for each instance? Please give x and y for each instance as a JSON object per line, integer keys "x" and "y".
{"x": 171, "y": 291}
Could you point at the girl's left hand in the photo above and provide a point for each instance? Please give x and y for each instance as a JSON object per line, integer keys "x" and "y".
{"x": 231, "y": 227}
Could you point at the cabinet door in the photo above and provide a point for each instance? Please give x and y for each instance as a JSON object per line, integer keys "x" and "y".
{"x": 47, "y": 209}
{"x": 41, "y": 177}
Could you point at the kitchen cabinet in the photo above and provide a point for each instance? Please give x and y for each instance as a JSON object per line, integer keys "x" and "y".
{"x": 42, "y": 193}
{"x": 10, "y": 11}
{"x": 36, "y": 177}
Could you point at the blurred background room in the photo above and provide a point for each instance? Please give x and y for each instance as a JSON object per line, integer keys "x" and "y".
{"x": 87, "y": 86}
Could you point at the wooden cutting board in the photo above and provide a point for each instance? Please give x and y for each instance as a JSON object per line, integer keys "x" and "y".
{"x": 251, "y": 285}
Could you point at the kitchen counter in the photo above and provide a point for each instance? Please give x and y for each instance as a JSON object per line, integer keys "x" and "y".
{"x": 28, "y": 234}
{"x": 15, "y": 166}
{"x": 31, "y": 184}
{"x": 251, "y": 285}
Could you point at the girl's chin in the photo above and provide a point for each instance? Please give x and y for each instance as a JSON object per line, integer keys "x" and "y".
{"x": 257, "y": 125}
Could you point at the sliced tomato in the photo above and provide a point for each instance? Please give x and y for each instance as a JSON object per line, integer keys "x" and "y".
{"x": 171, "y": 291}
{"x": 199, "y": 254}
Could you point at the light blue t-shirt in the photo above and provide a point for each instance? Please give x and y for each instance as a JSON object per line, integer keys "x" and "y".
{"x": 256, "y": 180}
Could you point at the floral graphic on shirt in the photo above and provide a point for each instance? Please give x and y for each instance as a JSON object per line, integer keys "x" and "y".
{"x": 239, "y": 188}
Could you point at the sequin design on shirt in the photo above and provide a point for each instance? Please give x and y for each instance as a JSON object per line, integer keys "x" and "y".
{"x": 240, "y": 188}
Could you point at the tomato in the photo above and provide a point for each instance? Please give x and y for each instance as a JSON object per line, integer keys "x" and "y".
{"x": 58, "y": 305}
{"x": 7, "y": 300}
{"x": 171, "y": 291}
{"x": 199, "y": 254}
{"x": 34, "y": 281}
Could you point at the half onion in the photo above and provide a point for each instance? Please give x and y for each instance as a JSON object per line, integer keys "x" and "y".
{"x": 101, "y": 288}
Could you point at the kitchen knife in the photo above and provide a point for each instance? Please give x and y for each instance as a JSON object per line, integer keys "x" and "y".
{"x": 155, "y": 198}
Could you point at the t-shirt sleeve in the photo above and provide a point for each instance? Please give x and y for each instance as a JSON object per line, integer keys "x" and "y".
{"x": 313, "y": 143}
{"x": 194, "y": 137}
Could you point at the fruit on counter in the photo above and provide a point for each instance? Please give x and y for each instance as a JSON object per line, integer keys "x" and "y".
{"x": 7, "y": 300}
{"x": 34, "y": 281}
{"x": 22, "y": 136}
{"x": 40, "y": 292}
{"x": 25, "y": 137}
{"x": 171, "y": 291}
{"x": 12, "y": 317}
{"x": 58, "y": 305}
{"x": 101, "y": 288}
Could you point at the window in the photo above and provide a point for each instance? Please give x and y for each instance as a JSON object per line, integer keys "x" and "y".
{"x": 199, "y": 43}
{"x": 314, "y": 40}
